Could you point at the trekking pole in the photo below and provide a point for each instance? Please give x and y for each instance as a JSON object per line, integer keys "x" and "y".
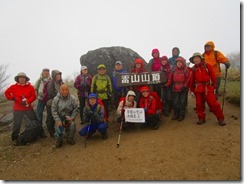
{"x": 223, "y": 102}
{"x": 120, "y": 132}
{"x": 88, "y": 130}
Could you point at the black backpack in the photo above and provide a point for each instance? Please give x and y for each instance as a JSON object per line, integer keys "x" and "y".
{"x": 31, "y": 132}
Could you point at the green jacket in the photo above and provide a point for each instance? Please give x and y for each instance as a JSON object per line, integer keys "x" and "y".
{"x": 102, "y": 86}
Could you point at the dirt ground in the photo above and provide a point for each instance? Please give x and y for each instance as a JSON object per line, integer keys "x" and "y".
{"x": 176, "y": 151}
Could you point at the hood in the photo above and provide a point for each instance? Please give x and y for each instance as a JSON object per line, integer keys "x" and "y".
{"x": 54, "y": 73}
{"x": 210, "y": 43}
{"x": 182, "y": 60}
{"x": 176, "y": 49}
{"x": 155, "y": 51}
{"x": 130, "y": 93}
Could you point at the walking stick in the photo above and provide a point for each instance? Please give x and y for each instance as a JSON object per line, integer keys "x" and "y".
{"x": 120, "y": 131}
{"x": 223, "y": 102}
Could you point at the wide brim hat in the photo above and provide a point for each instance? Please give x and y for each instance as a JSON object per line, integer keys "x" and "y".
{"x": 196, "y": 54}
{"x": 21, "y": 74}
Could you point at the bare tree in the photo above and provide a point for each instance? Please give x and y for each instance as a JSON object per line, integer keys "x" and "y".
{"x": 3, "y": 77}
{"x": 234, "y": 59}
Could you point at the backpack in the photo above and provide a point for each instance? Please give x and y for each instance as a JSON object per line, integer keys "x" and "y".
{"x": 45, "y": 97}
{"x": 159, "y": 103}
{"x": 100, "y": 102}
{"x": 31, "y": 132}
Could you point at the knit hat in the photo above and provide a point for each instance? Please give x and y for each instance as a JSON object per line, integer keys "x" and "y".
{"x": 101, "y": 66}
{"x": 118, "y": 63}
{"x": 144, "y": 88}
{"x": 138, "y": 61}
{"x": 83, "y": 68}
{"x": 92, "y": 95}
{"x": 45, "y": 69}
{"x": 164, "y": 58}
{"x": 196, "y": 54}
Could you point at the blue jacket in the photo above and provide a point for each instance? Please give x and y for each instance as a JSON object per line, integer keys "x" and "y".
{"x": 117, "y": 88}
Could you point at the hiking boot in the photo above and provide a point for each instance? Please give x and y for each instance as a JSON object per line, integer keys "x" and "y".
{"x": 15, "y": 142}
{"x": 58, "y": 143}
{"x": 175, "y": 117}
{"x": 71, "y": 141}
{"x": 181, "y": 118}
{"x": 105, "y": 135}
{"x": 201, "y": 121}
{"x": 166, "y": 114}
{"x": 222, "y": 123}
{"x": 155, "y": 126}
{"x": 43, "y": 135}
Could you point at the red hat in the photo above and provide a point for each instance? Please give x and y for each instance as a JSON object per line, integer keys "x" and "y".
{"x": 140, "y": 61}
{"x": 144, "y": 88}
{"x": 165, "y": 58}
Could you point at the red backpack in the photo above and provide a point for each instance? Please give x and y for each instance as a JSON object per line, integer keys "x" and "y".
{"x": 100, "y": 102}
{"x": 159, "y": 103}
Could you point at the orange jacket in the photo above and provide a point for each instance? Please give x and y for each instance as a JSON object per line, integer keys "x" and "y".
{"x": 209, "y": 58}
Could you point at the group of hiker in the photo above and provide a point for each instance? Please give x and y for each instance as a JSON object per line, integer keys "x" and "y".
{"x": 95, "y": 92}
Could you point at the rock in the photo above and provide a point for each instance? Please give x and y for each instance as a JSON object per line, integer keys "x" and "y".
{"x": 108, "y": 56}
{"x": 6, "y": 119}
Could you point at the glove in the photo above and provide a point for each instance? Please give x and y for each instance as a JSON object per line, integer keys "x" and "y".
{"x": 145, "y": 109}
{"x": 122, "y": 112}
{"x": 119, "y": 119}
{"x": 183, "y": 88}
{"x": 227, "y": 65}
{"x": 89, "y": 114}
{"x": 13, "y": 98}
{"x": 24, "y": 103}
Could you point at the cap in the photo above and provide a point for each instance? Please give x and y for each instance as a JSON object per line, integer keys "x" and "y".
{"x": 83, "y": 68}
{"x": 144, "y": 88}
{"x": 118, "y": 63}
{"x": 101, "y": 66}
{"x": 92, "y": 95}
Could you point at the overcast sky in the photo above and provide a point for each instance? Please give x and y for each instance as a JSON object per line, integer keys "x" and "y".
{"x": 54, "y": 33}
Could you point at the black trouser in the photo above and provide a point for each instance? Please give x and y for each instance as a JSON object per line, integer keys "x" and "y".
{"x": 117, "y": 96}
{"x": 157, "y": 89}
{"x": 50, "y": 121}
{"x": 18, "y": 117}
{"x": 167, "y": 94}
{"x": 106, "y": 102}
{"x": 152, "y": 119}
{"x": 180, "y": 102}
{"x": 82, "y": 101}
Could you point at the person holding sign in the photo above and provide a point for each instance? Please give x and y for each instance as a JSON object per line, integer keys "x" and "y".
{"x": 149, "y": 103}
{"x": 125, "y": 103}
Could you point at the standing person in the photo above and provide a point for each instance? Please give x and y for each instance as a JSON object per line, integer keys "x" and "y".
{"x": 83, "y": 85}
{"x": 51, "y": 89}
{"x": 202, "y": 83}
{"x": 148, "y": 102}
{"x": 138, "y": 68}
{"x": 215, "y": 58}
{"x": 175, "y": 55}
{"x": 154, "y": 65}
{"x": 118, "y": 91}
{"x": 102, "y": 86}
{"x": 167, "y": 91}
{"x": 180, "y": 80}
{"x": 93, "y": 115}
{"x": 64, "y": 111}
{"x": 23, "y": 94}
{"x": 39, "y": 86}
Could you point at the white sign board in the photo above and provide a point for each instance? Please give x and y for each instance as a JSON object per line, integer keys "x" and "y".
{"x": 135, "y": 115}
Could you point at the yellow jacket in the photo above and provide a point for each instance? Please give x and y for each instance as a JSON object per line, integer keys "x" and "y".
{"x": 209, "y": 58}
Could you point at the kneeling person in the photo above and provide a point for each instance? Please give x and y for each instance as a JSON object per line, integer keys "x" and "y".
{"x": 148, "y": 102}
{"x": 93, "y": 114}
{"x": 64, "y": 111}
{"x": 127, "y": 102}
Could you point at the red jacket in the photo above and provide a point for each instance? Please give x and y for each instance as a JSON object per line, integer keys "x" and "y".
{"x": 180, "y": 77}
{"x": 17, "y": 91}
{"x": 202, "y": 76}
{"x": 149, "y": 103}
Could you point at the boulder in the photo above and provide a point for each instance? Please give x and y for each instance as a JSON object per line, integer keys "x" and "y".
{"x": 108, "y": 56}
